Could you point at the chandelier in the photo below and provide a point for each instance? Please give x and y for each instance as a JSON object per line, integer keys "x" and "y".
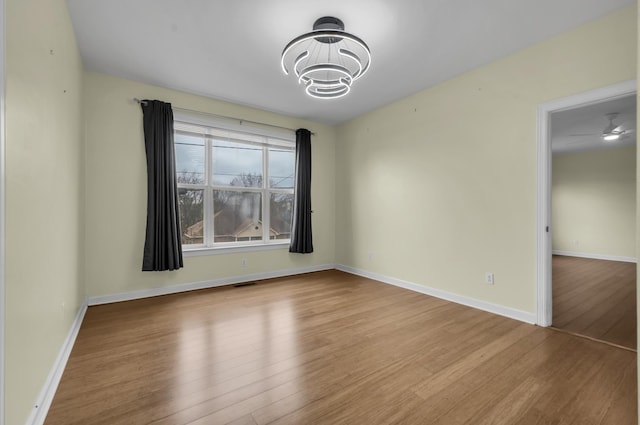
{"x": 326, "y": 60}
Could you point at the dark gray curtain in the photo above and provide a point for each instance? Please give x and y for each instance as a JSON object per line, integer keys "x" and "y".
{"x": 162, "y": 246}
{"x": 301, "y": 238}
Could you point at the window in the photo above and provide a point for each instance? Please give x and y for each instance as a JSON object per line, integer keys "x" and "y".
{"x": 235, "y": 185}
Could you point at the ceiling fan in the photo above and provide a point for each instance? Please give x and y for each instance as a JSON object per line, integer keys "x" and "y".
{"x": 611, "y": 132}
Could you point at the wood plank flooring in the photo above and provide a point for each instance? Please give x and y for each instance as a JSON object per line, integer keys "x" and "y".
{"x": 596, "y": 298}
{"x": 333, "y": 348}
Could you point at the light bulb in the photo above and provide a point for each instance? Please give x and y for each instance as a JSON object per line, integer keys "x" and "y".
{"x": 611, "y": 137}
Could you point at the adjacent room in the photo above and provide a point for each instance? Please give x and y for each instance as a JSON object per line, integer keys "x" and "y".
{"x": 294, "y": 212}
{"x": 594, "y": 220}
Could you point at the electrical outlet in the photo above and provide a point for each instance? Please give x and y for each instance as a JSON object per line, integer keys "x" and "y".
{"x": 488, "y": 278}
{"x": 243, "y": 262}
{"x": 371, "y": 256}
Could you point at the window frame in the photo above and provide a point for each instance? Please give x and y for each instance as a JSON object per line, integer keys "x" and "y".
{"x": 212, "y": 129}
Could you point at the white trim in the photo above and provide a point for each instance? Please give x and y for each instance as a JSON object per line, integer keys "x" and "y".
{"x": 544, "y": 303}
{"x": 511, "y": 313}
{"x": 595, "y": 256}
{"x": 543, "y": 270}
{"x": 198, "y": 252}
{"x": 591, "y": 97}
{"x": 184, "y": 287}
{"x": 2, "y": 214}
{"x": 43, "y": 402}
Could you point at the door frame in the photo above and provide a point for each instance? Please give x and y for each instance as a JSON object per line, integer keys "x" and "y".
{"x": 2, "y": 215}
{"x": 544, "y": 309}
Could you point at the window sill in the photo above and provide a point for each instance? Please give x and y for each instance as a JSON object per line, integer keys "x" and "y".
{"x": 198, "y": 252}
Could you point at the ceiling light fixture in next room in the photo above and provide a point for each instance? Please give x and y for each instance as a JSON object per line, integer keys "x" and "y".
{"x": 613, "y": 131}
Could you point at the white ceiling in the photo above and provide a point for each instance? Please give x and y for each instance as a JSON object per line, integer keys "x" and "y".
{"x": 580, "y": 129}
{"x": 231, "y": 50}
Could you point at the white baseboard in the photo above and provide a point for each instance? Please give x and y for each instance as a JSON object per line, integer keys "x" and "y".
{"x": 596, "y": 256}
{"x": 43, "y": 402}
{"x": 511, "y": 313}
{"x": 183, "y": 287}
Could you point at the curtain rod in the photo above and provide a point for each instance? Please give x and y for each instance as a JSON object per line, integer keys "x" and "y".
{"x": 241, "y": 120}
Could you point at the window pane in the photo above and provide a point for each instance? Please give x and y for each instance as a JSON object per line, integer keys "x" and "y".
{"x": 191, "y": 215}
{"x": 236, "y": 164}
{"x": 281, "y": 209}
{"x": 189, "y": 159}
{"x": 237, "y": 216}
{"x": 281, "y": 168}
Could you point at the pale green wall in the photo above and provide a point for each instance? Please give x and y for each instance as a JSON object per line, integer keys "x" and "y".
{"x": 440, "y": 187}
{"x": 43, "y": 195}
{"x": 594, "y": 202}
{"x": 116, "y": 191}
{"x": 441, "y": 179}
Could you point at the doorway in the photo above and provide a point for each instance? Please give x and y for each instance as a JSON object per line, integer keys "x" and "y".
{"x": 593, "y": 188}
{"x": 575, "y": 225}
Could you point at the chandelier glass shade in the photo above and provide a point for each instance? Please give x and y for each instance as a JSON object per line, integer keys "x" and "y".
{"x": 326, "y": 60}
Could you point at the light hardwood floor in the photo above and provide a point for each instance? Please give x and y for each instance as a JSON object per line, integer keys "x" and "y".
{"x": 333, "y": 348}
{"x": 596, "y": 298}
